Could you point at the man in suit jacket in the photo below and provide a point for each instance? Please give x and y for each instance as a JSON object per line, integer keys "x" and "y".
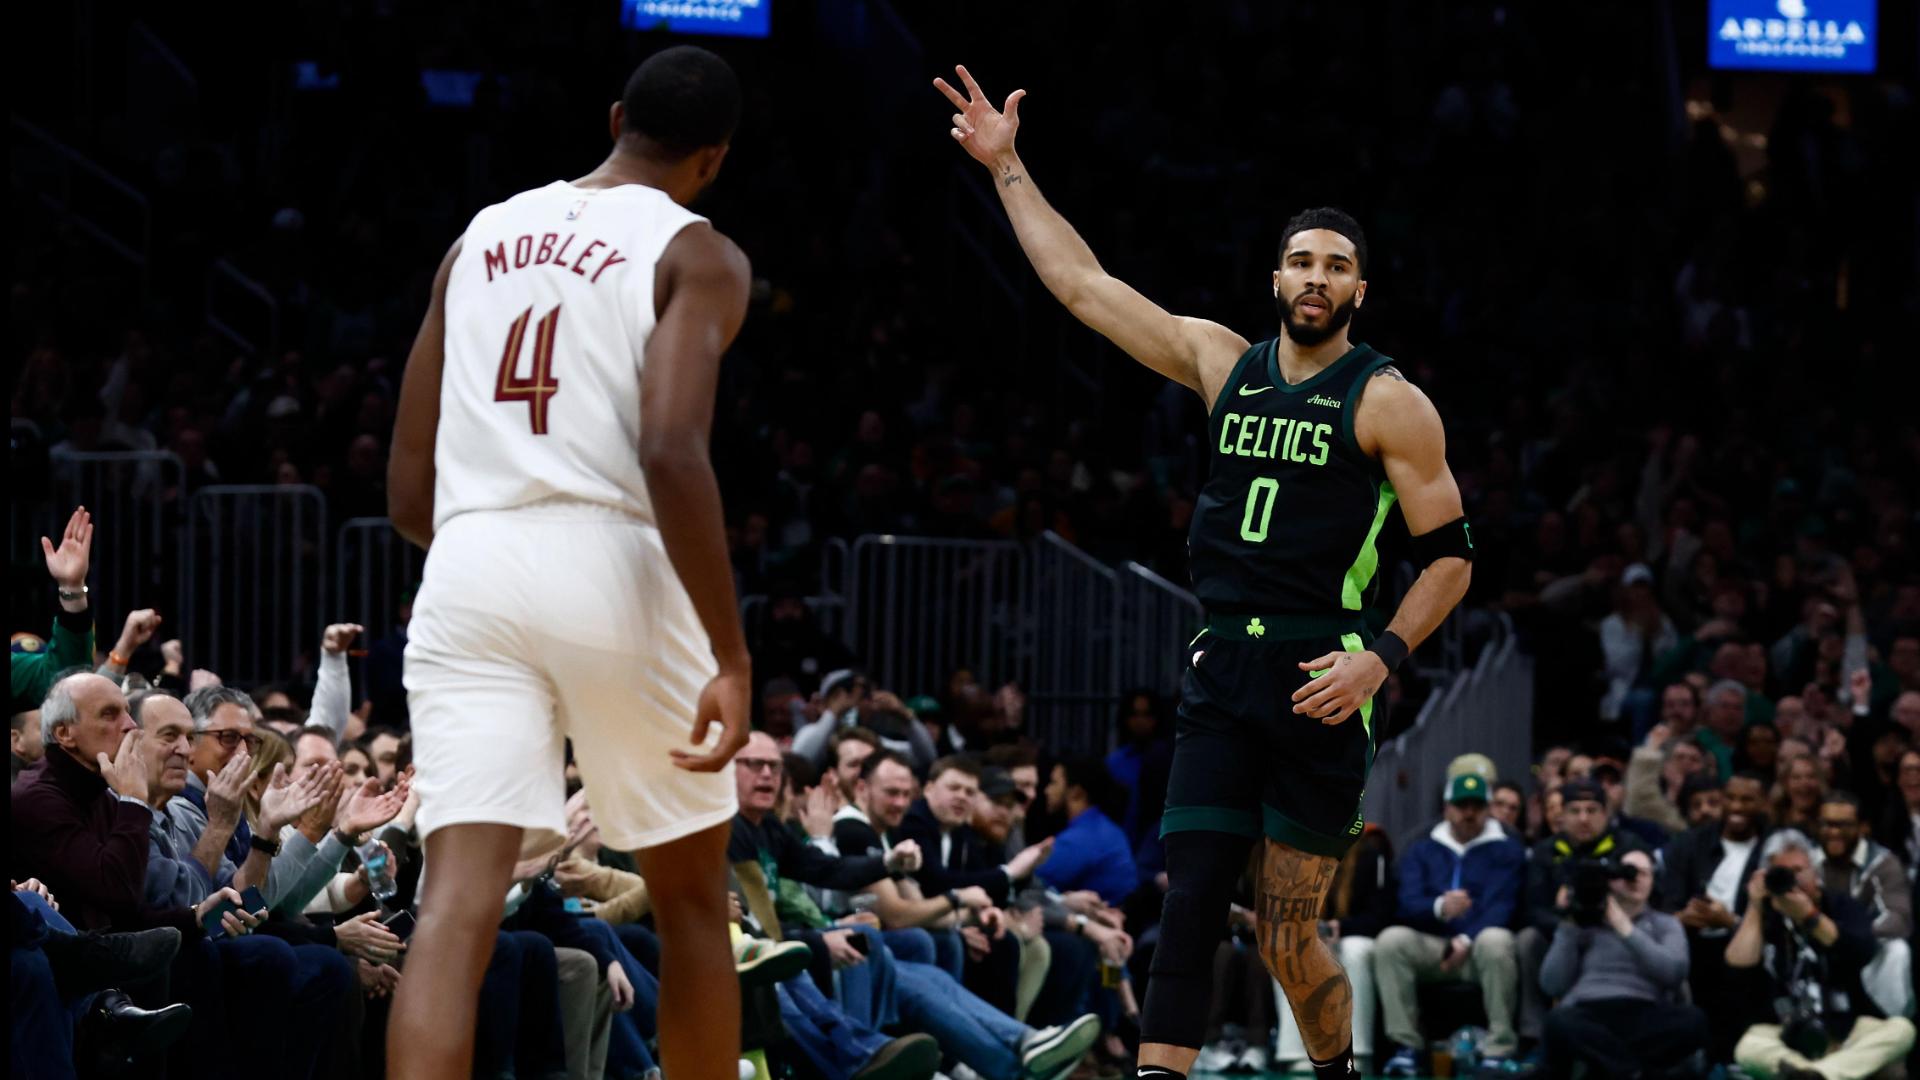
{"x": 1704, "y": 872}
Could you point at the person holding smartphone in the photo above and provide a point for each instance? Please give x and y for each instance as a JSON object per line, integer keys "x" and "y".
{"x": 311, "y": 980}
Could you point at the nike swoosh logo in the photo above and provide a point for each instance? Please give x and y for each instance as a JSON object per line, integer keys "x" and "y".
{"x": 1249, "y": 391}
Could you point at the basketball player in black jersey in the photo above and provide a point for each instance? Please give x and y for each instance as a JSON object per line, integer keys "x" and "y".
{"x": 1315, "y": 440}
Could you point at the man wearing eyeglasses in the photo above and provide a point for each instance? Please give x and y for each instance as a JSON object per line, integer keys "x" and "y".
{"x": 1853, "y": 864}
{"x": 223, "y": 719}
{"x": 1619, "y": 985}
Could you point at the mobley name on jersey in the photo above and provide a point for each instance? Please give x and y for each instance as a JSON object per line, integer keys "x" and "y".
{"x": 525, "y": 251}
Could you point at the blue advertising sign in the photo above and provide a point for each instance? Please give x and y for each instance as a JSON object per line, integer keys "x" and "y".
{"x": 1791, "y": 35}
{"x": 734, "y": 18}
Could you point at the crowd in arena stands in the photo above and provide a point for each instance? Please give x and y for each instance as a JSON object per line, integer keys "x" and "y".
{"x": 922, "y": 890}
{"x": 1713, "y": 855}
{"x": 1604, "y": 419}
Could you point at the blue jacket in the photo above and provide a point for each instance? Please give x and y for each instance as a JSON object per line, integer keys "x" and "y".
{"x": 1092, "y": 853}
{"x": 1491, "y": 868}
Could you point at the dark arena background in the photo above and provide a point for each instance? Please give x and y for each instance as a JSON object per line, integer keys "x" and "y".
{"x": 1653, "y": 263}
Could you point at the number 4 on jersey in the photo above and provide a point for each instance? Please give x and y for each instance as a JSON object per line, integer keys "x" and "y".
{"x": 537, "y": 387}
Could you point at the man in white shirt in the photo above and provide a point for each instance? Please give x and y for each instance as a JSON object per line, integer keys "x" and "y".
{"x": 1703, "y": 882}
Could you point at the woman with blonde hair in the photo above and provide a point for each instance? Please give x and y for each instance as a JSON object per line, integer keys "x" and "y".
{"x": 1798, "y": 795}
{"x": 273, "y": 751}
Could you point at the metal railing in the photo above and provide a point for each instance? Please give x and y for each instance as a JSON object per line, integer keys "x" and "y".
{"x": 918, "y": 608}
{"x": 374, "y": 567}
{"x": 256, "y": 565}
{"x": 829, "y": 605}
{"x": 136, "y": 528}
{"x": 1073, "y": 620}
{"x": 1157, "y": 618}
{"x": 1487, "y": 710}
{"x": 1072, "y": 631}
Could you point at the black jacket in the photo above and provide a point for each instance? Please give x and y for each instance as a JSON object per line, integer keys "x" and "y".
{"x": 1789, "y": 958}
{"x": 971, "y": 861}
{"x": 1688, "y": 863}
{"x": 1547, "y": 867}
{"x": 782, "y": 854}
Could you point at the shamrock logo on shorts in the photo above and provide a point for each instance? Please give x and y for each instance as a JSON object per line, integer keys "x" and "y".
{"x": 1254, "y": 629}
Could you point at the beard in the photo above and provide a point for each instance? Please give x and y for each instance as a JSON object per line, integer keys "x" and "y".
{"x": 1304, "y": 333}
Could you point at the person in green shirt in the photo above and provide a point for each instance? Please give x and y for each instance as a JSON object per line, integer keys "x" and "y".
{"x": 71, "y": 643}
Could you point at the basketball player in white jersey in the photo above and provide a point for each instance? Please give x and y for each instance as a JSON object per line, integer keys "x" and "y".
{"x": 551, "y": 447}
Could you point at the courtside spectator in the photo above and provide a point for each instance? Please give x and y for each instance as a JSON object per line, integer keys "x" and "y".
{"x": 1092, "y": 852}
{"x": 1459, "y": 889}
{"x": 1618, "y": 984}
{"x": 1586, "y": 835}
{"x": 1850, "y": 862}
{"x": 1703, "y": 876}
{"x": 1810, "y": 945}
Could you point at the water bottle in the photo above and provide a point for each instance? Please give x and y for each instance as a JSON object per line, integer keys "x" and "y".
{"x": 1466, "y": 1051}
{"x": 378, "y": 864}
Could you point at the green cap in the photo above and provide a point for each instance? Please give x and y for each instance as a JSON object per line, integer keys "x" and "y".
{"x": 1467, "y": 787}
{"x": 923, "y": 705}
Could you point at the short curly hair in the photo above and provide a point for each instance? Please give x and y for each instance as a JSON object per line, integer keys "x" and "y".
{"x": 1332, "y": 219}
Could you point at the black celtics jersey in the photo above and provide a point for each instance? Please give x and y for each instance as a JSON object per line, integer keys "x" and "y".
{"x": 1287, "y": 521}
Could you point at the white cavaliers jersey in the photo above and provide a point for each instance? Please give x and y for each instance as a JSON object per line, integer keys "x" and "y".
{"x": 549, "y": 306}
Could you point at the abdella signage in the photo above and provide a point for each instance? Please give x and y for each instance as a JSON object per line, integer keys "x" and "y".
{"x": 1791, "y": 35}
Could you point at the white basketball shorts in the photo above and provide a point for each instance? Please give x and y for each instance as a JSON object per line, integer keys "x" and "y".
{"x": 562, "y": 620}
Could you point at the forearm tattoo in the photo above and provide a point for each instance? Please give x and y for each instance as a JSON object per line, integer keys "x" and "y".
{"x": 1008, "y": 177}
{"x": 1293, "y": 887}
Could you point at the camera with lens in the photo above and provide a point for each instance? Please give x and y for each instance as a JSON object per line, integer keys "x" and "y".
{"x": 1802, "y": 1026}
{"x": 1780, "y": 880}
{"x": 1589, "y": 881}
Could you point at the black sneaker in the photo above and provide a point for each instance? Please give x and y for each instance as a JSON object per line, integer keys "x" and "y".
{"x": 83, "y": 963}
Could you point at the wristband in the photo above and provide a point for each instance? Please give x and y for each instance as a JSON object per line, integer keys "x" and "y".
{"x": 72, "y": 594}
{"x": 115, "y": 659}
{"x": 261, "y": 843}
{"x": 953, "y": 899}
{"x": 1390, "y": 649}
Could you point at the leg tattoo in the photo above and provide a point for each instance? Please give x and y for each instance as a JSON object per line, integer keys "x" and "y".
{"x": 1293, "y": 888}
